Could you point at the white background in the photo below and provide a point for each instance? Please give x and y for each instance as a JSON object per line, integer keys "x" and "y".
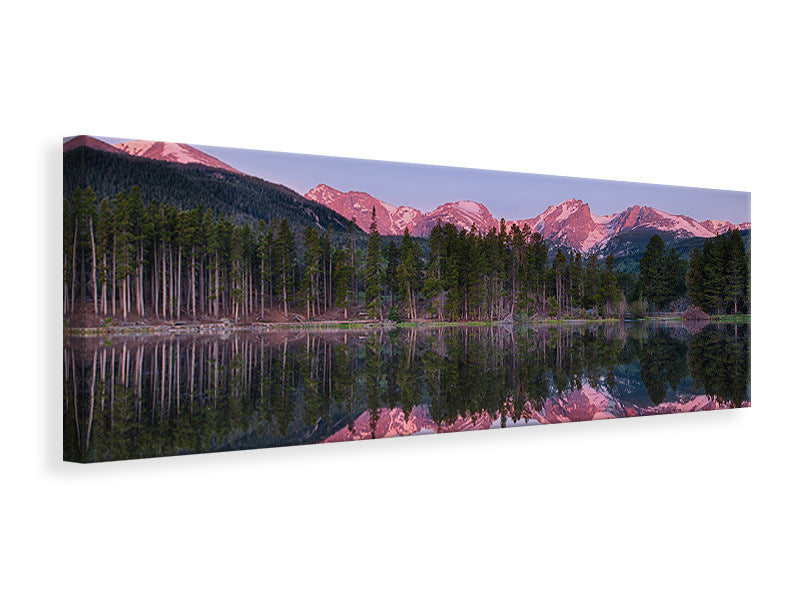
{"x": 698, "y": 94}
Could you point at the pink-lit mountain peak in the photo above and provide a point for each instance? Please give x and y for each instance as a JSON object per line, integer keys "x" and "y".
{"x": 172, "y": 152}
{"x": 464, "y": 214}
{"x": 718, "y": 227}
{"x": 570, "y": 223}
{"x": 85, "y": 141}
{"x": 394, "y": 220}
{"x": 390, "y": 219}
{"x": 647, "y": 217}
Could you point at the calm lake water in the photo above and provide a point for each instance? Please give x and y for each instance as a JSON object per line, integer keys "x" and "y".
{"x": 146, "y": 396}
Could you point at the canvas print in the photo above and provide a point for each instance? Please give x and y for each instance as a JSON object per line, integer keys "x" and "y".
{"x": 222, "y": 299}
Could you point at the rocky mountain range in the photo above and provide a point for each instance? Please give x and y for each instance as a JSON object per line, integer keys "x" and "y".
{"x": 570, "y": 224}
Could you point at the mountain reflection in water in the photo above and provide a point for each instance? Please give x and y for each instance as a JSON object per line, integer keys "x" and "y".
{"x": 145, "y": 396}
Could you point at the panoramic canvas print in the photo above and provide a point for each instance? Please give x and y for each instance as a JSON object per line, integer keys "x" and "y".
{"x": 221, "y": 299}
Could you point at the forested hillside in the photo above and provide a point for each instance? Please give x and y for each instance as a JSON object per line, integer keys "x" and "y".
{"x": 628, "y": 248}
{"x": 240, "y": 198}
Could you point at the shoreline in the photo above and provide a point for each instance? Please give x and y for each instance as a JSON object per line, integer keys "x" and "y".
{"x": 225, "y": 327}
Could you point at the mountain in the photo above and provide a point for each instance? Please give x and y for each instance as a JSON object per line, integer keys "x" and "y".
{"x": 463, "y": 214}
{"x": 85, "y": 141}
{"x": 570, "y": 224}
{"x": 179, "y": 153}
{"x": 718, "y": 227}
{"x": 393, "y": 220}
{"x": 645, "y": 217}
{"x": 242, "y": 198}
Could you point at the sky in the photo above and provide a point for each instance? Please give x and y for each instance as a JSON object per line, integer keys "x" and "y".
{"x": 506, "y": 194}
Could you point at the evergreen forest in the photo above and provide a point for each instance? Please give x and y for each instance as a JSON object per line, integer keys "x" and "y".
{"x": 128, "y": 260}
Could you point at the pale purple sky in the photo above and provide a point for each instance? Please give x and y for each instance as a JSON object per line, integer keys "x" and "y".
{"x": 505, "y": 194}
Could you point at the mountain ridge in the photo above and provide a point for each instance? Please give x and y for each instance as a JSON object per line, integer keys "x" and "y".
{"x": 86, "y": 141}
{"x": 171, "y": 152}
{"x": 570, "y": 223}
{"x": 240, "y": 197}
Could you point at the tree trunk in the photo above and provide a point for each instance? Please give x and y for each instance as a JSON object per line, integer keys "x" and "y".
{"x": 141, "y": 278}
{"x": 194, "y": 294}
{"x": 105, "y": 285}
{"x": 262, "y": 285}
{"x": 163, "y": 281}
{"x": 94, "y": 266}
{"x": 178, "y": 283}
{"x": 124, "y": 307}
{"x": 216, "y": 284}
{"x": 285, "y": 306}
{"x": 74, "y": 265}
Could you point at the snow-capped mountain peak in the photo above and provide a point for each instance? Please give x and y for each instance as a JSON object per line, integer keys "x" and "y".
{"x": 570, "y": 223}
{"x": 462, "y": 213}
{"x": 171, "y": 152}
{"x": 717, "y": 227}
{"x": 394, "y": 220}
{"x": 390, "y": 219}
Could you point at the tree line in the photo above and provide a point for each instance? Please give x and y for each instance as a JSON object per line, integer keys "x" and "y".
{"x": 719, "y": 275}
{"x": 125, "y": 259}
{"x": 716, "y": 278}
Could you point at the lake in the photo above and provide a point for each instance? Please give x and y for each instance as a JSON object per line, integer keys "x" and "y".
{"x": 145, "y": 396}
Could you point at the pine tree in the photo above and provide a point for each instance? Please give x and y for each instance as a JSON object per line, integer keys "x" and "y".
{"x": 736, "y": 272}
{"x": 124, "y": 264}
{"x": 408, "y": 273}
{"x": 651, "y": 267}
{"x": 609, "y": 294}
{"x": 285, "y": 254}
{"x": 451, "y": 272}
{"x": 538, "y": 265}
{"x": 105, "y": 236}
{"x": 695, "y": 279}
{"x": 592, "y": 292}
{"x": 714, "y": 273}
{"x": 477, "y": 275}
{"x": 311, "y": 274}
{"x": 372, "y": 276}
{"x": 211, "y": 245}
{"x": 577, "y": 280}
{"x": 432, "y": 288}
{"x": 718, "y": 277}
{"x": 392, "y": 257}
{"x": 326, "y": 269}
{"x": 351, "y": 254}
{"x": 342, "y": 276}
{"x": 674, "y": 277}
{"x": 560, "y": 277}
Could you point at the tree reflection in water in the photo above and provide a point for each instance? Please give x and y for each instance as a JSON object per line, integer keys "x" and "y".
{"x": 157, "y": 396}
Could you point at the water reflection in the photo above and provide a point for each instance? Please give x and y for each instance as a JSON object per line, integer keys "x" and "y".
{"x": 150, "y": 396}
